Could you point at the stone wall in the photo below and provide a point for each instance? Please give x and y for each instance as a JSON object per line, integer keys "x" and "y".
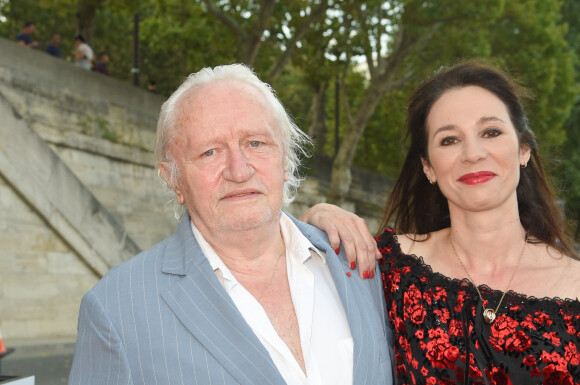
{"x": 78, "y": 190}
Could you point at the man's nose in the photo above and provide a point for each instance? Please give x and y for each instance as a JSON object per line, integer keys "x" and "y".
{"x": 238, "y": 168}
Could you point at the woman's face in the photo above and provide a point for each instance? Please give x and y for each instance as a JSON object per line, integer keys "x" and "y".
{"x": 473, "y": 149}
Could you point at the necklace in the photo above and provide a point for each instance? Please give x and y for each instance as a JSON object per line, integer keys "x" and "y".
{"x": 489, "y": 314}
{"x": 271, "y": 278}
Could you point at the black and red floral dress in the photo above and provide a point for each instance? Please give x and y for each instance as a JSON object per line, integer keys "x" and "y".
{"x": 441, "y": 338}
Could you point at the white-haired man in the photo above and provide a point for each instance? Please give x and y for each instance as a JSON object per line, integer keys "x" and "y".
{"x": 241, "y": 293}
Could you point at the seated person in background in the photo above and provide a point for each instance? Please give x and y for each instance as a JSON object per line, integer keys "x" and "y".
{"x": 24, "y": 38}
{"x": 53, "y": 46}
{"x": 241, "y": 293}
{"x": 482, "y": 285}
{"x": 152, "y": 86}
{"x": 101, "y": 63}
{"x": 83, "y": 53}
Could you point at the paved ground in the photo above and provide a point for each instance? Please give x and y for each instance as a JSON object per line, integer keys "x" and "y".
{"x": 49, "y": 361}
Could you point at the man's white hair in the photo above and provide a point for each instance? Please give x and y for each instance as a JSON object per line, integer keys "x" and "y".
{"x": 295, "y": 142}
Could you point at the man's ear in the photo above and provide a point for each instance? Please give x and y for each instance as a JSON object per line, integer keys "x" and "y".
{"x": 428, "y": 171}
{"x": 164, "y": 169}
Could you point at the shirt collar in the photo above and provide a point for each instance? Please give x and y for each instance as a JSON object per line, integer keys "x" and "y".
{"x": 297, "y": 246}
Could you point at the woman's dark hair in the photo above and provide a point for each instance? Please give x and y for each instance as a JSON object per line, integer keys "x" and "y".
{"x": 419, "y": 207}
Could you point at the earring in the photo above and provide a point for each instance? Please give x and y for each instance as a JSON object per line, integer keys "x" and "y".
{"x": 525, "y": 164}
{"x": 430, "y": 181}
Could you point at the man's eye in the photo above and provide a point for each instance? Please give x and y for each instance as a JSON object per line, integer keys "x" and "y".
{"x": 254, "y": 143}
{"x": 209, "y": 152}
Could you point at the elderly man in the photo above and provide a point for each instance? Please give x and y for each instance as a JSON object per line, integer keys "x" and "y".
{"x": 241, "y": 293}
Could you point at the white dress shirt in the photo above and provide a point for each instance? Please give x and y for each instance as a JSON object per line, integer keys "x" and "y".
{"x": 327, "y": 344}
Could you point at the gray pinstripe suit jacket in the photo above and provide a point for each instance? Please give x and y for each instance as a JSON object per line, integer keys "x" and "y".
{"x": 163, "y": 318}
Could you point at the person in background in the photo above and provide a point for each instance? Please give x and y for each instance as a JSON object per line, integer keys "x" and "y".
{"x": 101, "y": 63}
{"x": 481, "y": 281}
{"x": 241, "y": 293}
{"x": 53, "y": 46}
{"x": 152, "y": 86}
{"x": 24, "y": 37}
{"x": 83, "y": 53}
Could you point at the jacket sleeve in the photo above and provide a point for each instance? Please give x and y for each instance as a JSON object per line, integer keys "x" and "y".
{"x": 100, "y": 357}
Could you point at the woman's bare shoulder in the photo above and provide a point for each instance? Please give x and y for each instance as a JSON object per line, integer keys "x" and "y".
{"x": 421, "y": 244}
{"x": 572, "y": 278}
{"x": 556, "y": 274}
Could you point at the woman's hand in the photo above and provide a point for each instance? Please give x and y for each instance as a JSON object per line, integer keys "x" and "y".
{"x": 341, "y": 225}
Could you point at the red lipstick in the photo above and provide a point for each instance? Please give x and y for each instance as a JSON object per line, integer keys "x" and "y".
{"x": 476, "y": 177}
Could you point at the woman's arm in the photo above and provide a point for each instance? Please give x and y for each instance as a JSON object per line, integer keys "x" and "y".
{"x": 343, "y": 226}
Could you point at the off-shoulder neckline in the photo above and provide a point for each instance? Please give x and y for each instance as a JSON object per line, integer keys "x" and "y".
{"x": 521, "y": 297}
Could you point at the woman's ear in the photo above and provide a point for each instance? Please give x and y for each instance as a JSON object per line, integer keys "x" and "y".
{"x": 428, "y": 171}
{"x": 525, "y": 154}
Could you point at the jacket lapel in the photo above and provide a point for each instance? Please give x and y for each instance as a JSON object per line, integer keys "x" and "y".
{"x": 208, "y": 312}
{"x": 357, "y": 300}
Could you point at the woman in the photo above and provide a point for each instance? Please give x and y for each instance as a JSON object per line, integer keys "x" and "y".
{"x": 483, "y": 287}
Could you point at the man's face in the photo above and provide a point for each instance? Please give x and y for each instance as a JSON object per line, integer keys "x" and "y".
{"x": 230, "y": 158}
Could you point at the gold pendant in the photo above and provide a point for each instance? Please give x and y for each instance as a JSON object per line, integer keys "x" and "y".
{"x": 489, "y": 315}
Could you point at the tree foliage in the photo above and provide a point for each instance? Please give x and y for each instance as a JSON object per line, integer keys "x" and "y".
{"x": 569, "y": 172}
{"x": 376, "y": 52}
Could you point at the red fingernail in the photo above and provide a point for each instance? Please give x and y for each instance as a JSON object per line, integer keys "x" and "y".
{"x": 371, "y": 274}
{"x": 348, "y": 273}
{"x": 365, "y": 274}
{"x": 353, "y": 265}
{"x": 337, "y": 251}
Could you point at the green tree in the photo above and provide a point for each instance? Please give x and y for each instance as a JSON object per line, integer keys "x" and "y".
{"x": 569, "y": 172}
{"x": 526, "y": 37}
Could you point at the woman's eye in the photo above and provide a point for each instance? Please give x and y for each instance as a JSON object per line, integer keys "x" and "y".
{"x": 492, "y": 133}
{"x": 254, "y": 143}
{"x": 448, "y": 141}
{"x": 209, "y": 152}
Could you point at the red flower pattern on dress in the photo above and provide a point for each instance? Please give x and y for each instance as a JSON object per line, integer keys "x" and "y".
{"x": 555, "y": 376}
{"x": 569, "y": 326}
{"x": 530, "y": 360}
{"x": 518, "y": 342}
{"x": 498, "y": 376}
{"x": 455, "y": 328}
{"x": 460, "y": 300}
{"x": 416, "y": 313}
{"x": 571, "y": 354}
{"x": 554, "y": 358}
{"x": 536, "y": 372}
{"x": 542, "y": 318}
{"x": 442, "y": 315}
{"x": 552, "y": 336}
{"x": 502, "y": 328}
{"x": 440, "y": 294}
{"x": 434, "y": 318}
{"x": 528, "y": 322}
{"x": 439, "y": 351}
